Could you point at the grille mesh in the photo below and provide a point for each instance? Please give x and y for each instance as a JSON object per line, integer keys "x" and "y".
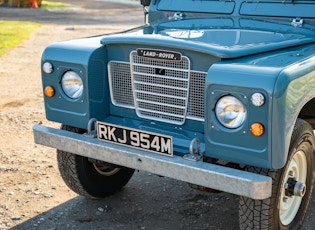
{"x": 157, "y": 89}
{"x": 120, "y": 84}
{"x": 195, "y": 109}
{"x": 164, "y": 78}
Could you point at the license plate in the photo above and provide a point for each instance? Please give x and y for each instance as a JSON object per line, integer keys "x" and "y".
{"x": 135, "y": 138}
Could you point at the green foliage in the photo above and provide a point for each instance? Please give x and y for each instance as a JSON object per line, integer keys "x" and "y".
{"x": 13, "y": 33}
{"x": 53, "y": 5}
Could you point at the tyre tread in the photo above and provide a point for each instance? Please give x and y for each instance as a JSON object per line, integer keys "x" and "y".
{"x": 69, "y": 173}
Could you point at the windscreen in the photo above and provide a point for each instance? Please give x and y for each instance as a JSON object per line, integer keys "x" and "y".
{"x": 201, "y": 6}
{"x": 273, "y": 8}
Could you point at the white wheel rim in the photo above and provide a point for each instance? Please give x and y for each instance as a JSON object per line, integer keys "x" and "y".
{"x": 289, "y": 205}
{"x": 105, "y": 170}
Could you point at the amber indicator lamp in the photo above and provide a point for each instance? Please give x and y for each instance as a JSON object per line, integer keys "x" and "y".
{"x": 257, "y": 129}
{"x": 49, "y": 91}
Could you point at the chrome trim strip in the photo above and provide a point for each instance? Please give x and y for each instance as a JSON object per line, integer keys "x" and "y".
{"x": 161, "y": 66}
{"x": 168, "y": 114}
{"x": 160, "y": 103}
{"x": 159, "y": 85}
{"x": 160, "y": 94}
{"x": 160, "y": 76}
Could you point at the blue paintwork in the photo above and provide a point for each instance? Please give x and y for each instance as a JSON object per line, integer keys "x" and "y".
{"x": 244, "y": 47}
{"x": 286, "y": 78}
{"x": 86, "y": 57}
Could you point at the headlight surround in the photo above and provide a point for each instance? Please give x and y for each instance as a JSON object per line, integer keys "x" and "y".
{"x": 72, "y": 84}
{"x": 230, "y": 112}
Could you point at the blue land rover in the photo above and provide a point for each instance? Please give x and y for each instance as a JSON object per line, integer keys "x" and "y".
{"x": 216, "y": 93}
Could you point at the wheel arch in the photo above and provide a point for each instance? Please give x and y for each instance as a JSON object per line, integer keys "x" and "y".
{"x": 293, "y": 97}
{"x": 307, "y": 113}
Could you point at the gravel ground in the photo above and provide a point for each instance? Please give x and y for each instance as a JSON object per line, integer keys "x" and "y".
{"x": 32, "y": 194}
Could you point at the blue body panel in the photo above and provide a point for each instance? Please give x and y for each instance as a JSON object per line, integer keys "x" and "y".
{"x": 87, "y": 58}
{"x": 286, "y": 78}
{"x": 241, "y": 46}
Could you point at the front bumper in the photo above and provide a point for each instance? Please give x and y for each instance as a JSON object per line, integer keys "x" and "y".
{"x": 217, "y": 177}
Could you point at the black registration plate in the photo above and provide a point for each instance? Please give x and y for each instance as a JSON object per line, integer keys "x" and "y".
{"x": 140, "y": 139}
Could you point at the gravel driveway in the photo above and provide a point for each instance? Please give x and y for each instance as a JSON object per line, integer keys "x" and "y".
{"x": 32, "y": 194}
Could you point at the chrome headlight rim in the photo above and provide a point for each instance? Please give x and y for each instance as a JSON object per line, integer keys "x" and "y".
{"x": 72, "y": 84}
{"x": 230, "y": 112}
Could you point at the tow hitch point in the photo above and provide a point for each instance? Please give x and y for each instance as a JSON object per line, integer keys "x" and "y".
{"x": 194, "y": 151}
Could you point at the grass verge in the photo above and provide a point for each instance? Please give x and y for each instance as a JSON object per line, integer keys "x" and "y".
{"x": 53, "y": 5}
{"x": 13, "y": 33}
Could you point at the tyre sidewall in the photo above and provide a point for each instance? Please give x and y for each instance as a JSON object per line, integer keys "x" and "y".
{"x": 81, "y": 176}
{"x": 98, "y": 185}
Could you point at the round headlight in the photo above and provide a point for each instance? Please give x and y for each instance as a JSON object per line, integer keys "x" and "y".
{"x": 230, "y": 112}
{"x": 72, "y": 84}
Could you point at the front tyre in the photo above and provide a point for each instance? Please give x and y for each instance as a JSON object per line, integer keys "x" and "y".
{"x": 291, "y": 190}
{"x": 91, "y": 178}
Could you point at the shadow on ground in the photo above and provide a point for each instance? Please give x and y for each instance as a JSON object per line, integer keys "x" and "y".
{"x": 147, "y": 202}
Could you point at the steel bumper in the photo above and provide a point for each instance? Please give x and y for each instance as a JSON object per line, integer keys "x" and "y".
{"x": 218, "y": 177}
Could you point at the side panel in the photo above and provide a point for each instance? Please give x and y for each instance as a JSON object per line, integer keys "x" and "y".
{"x": 293, "y": 89}
{"x": 241, "y": 81}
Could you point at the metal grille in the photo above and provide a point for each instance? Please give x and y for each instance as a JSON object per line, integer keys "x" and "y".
{"x": 160, "y": 90}
{"x": 195, "y": 108}
{"x": 120, "y": 84}
{"x": 156, "y": 83}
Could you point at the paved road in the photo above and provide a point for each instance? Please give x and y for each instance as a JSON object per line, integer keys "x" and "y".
{"x": 87, "y": 12}
{"x": 148, "y": 201}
